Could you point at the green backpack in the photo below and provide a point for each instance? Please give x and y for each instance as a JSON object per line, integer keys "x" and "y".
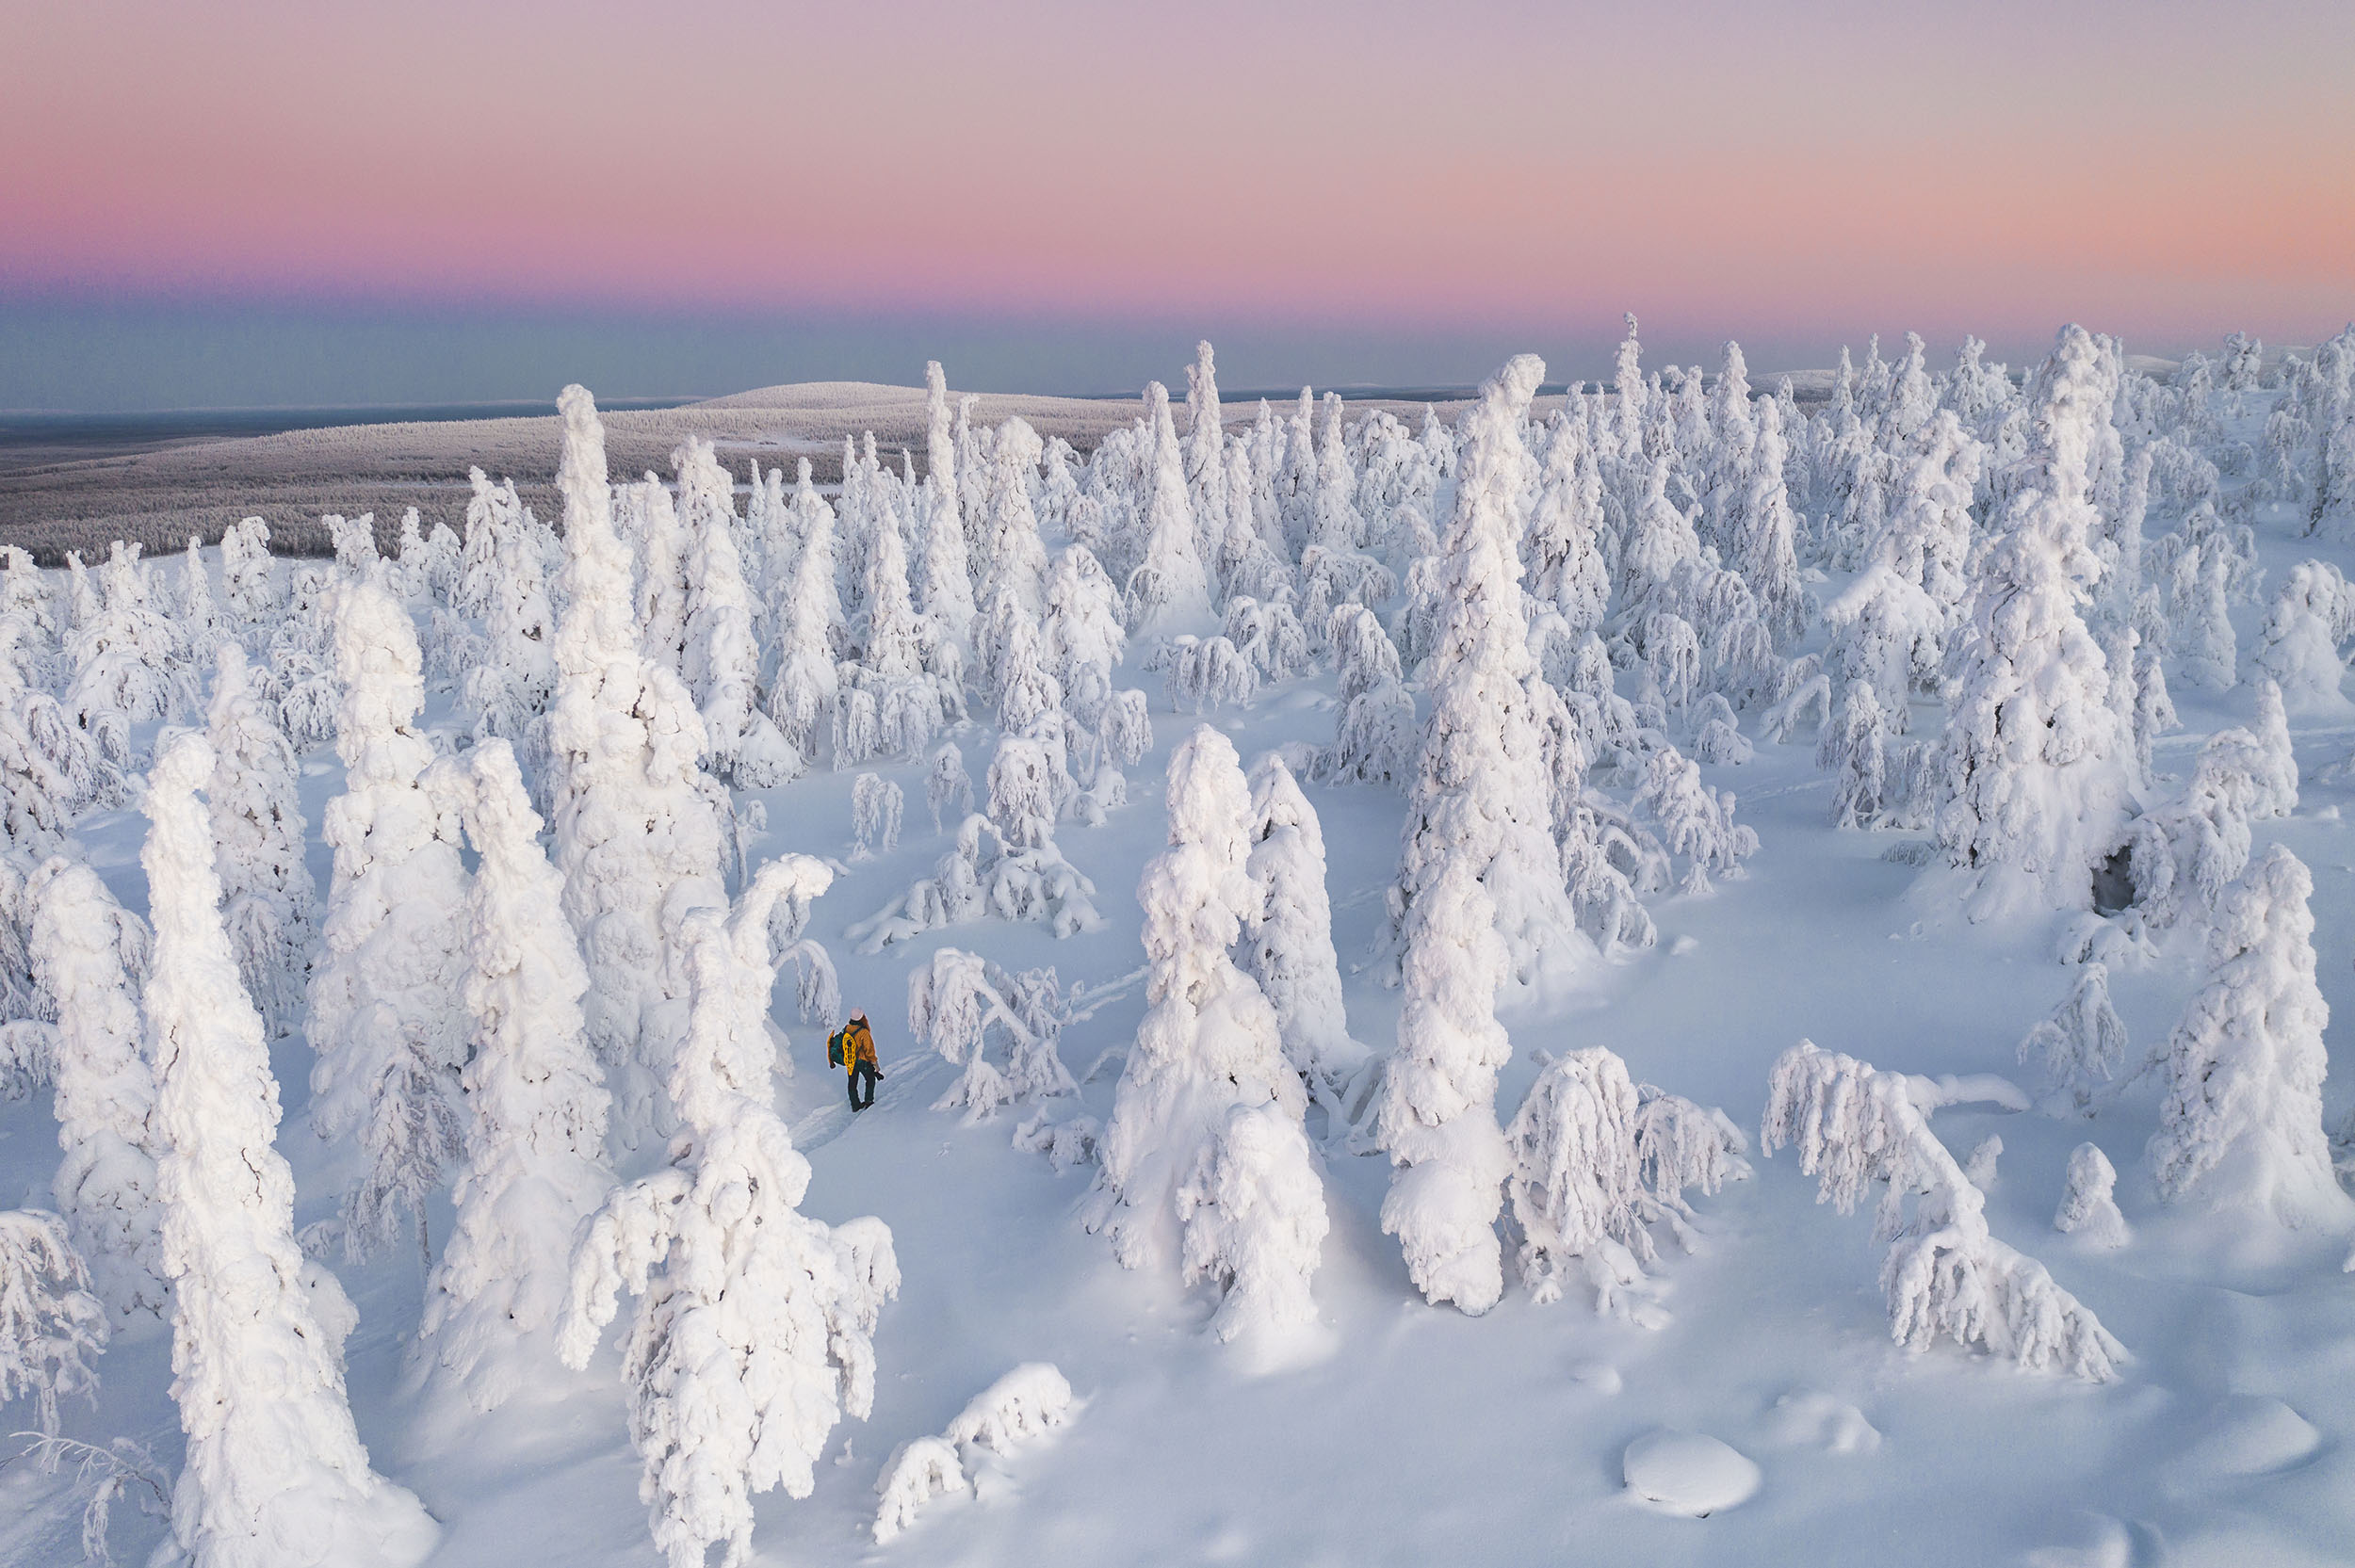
{"x": 833, "y": 1049}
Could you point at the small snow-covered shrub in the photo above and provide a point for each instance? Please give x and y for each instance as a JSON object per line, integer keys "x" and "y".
{"x": 2088, "y": 1208}
{"x": 959, "y": 1003}
{"x": 1018, "y": 1408}
{"x": 50, "y": 1326}
{"x": 2082, "y": 1045}
{"x": 876, "y": 804}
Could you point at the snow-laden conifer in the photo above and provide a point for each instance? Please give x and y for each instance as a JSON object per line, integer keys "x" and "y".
{"x": 1170, "y": 591}
{"x": 275, "y": 1473}
{"x": 269, "y": 900}
{"x": 961, "y": 1004}
{"x": 1288, "y": 931}
{"x": 807, "y": 681}
{"x": 2241, "y": 1127}
{"x": 753, "y": 1334}
{"x": 948, "y": 788}
{"x": 536, "y": 1104}
{"x": 876, "y": 804}
{"x": 106, "y": 1184}
{"x": 2081, "y": 1045}
{"x": 2037, "y": 762}
{"x": 635, "y": 836}
{"x": 1437, "y": 1118}
{"x": 721, "y": 663}
{"x": 1204, "y": 1155}
{"x": 2312, "y": 613}
{"x": 1479, "y": 794}
{"x": 387, "y": 1014}
{"x": 125, "y": 656}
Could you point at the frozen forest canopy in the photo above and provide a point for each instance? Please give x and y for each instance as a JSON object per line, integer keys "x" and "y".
{"x": 1347, "y": 1000}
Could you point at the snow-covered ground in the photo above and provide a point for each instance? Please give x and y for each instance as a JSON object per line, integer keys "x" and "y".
{"x": 1404, "y": 1432}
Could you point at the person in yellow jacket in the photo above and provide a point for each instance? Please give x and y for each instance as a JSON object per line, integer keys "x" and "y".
{"x": 852, "y": 1049}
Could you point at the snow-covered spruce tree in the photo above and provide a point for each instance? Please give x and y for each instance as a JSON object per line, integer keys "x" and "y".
{"x": 1084, "y": 638}
{"x": 268, "y": 901}
{"x": 661, "y": 541}
{"x": 50, "y": 767}
{"x": 2312, "y": 613}
{"x": 1437, "y": 1118}
{"x": 1288, "y": 932}
{"x": 106, "y": 1184}
{"x": 1013, "y": 559}
{"x": 51, "y": 1327}
{"x": 516, "y": 674}
{"x": 753, "y": 1334}
{"x": 1479, "y": 794}
{"x": 1205, "y": 1155}
{"x": 1170, "y": 591}
{"x": 1207, "y": 487}
{"x": 199, "y": 624}
{"x": 275, "y": 1473}
{"x": 2241, "y": 1128}
{"x": 721, "y": 663}
{"x": 948, "y": 788}
{"x": 807, "y": 681}
{"x": 1945, "y": 1277}
{"x": 2037, "y": 762}
{"x": 635, "y": 836}
{"x": 387, "y": 1015}
{"x": 2080, "y": 1045}
{"x": 1597, "y": 1160}
{"x": 536, "y": 1103}
{"x": 125, "y": 658}
{"x": 1565, "y": 550}
{"x": 1761, "y": 539}
{"x": 354, "y": 542}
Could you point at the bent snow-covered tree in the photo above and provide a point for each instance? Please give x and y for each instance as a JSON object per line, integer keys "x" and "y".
{"x": 1945, "y": 1277}
{"x": 275, "y": 1473}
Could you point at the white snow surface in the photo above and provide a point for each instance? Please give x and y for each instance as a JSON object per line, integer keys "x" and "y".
{"x": 2226, "y": 1438}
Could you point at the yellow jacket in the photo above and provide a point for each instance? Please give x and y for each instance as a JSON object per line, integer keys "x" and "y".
{"x": 858, "y": 1045}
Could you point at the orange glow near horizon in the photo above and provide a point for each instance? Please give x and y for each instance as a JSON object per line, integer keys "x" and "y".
{"x": 2160, "y": 169}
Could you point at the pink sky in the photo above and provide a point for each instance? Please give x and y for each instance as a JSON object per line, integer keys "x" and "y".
{"x": 2163, "y": 169}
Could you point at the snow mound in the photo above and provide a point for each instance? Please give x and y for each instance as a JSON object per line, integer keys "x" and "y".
{"x": 1811, "y": 1418}
{"x": 2249, "y": 1434}
{"x": 1688, "y": 1473}
{"x": 1600, "y": 1376}
{"x": 2100, "y": 1542}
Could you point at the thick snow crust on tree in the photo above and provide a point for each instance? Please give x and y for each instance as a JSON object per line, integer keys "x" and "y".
{"x": 635, "y": 833}
{"x": 267, "y": 897}
{"x": 2241, "y": 1127}
{"x": 1945, "y": 1277}
{"x": 1596, "y": 1162}
{"x": 387, "y": 1010}
{"x": 106, "y": 1184}
{"x": 960, "y": 1003}
{"x": 275, "y": 1473}
{"x": 535, "y": 1101}
{"x": 2035, "y": 758}
{"x": 1205, "y": 1156}
{"x": 1478, "y": 795}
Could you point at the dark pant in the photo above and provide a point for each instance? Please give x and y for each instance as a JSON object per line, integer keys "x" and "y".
{"x": 862, "y": 1072}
